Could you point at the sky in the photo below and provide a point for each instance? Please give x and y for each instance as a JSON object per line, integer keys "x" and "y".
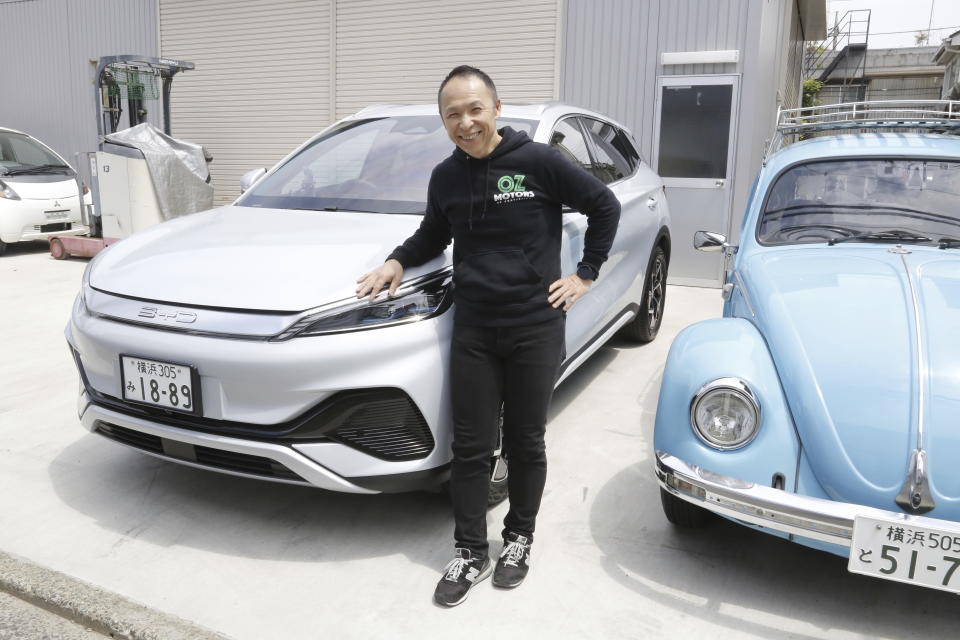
{"x": 904, "y": 16}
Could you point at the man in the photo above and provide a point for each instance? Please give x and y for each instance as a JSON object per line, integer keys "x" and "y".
{"x": 499, "y": 197}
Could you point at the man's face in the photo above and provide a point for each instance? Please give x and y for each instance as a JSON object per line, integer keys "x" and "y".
{"x": 470, "y": 115}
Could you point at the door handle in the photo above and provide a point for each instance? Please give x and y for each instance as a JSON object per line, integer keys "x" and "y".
{"x": 651, "y": 203}
{"x": 719, "y": 183}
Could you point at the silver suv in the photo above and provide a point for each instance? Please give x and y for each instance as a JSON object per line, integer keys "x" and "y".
{"x": 232, "y": 339}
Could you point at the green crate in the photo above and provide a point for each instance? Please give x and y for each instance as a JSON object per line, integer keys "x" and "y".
{"x": 135, "y": 85}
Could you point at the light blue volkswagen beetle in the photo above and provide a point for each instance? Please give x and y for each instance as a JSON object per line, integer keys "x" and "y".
{"x": 824, "y": 406}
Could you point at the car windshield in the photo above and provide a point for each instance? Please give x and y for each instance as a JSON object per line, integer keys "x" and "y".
{"x": 910, "y": 199}
{"x": 20, "y": 154}
{"x": 379, "y": 165}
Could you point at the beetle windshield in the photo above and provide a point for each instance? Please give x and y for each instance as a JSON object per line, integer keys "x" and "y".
{"x": 380, "y": 165}
{"x": 868, "y": 198}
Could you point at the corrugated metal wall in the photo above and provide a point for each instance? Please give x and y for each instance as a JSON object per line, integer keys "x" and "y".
{"x": 611, "y": 52}
{"x": 46, "y": 47}
{"x": 267, "y": 80}
{"x": 399, "y": 51}
{"x": 261, "y": 83}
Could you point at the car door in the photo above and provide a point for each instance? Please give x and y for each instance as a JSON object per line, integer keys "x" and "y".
{"x": 617, "y": 163}
{"x": 569, "y": 138}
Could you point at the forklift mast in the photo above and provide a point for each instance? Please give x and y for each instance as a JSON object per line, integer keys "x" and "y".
{"x": 110, "y": 89}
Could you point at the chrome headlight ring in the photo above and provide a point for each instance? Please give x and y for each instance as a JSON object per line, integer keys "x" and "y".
{"x": 725, "y": 414}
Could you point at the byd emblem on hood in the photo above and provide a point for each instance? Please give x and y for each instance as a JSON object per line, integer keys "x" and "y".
{"x": 169, "y": 315}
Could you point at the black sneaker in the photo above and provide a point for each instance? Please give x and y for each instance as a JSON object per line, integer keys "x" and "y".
{"x": 464, "y": 571}
{"x": 514, "y": 561}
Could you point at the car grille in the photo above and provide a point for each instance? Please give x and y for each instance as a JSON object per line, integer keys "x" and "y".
{"x": 205, "y": 456}
{"x": 391, "y": 429}
{"x": 54, "y": 226}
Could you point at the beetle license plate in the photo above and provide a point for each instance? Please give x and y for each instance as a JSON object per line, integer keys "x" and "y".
{"x": 905, "y": 552}
{"x": 161, "y": 384}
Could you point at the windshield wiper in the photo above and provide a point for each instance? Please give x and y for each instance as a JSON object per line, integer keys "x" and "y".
{"x": 947, "y": 243}
{"x": 40, "y": 168}
{"x": 893, "y": 235}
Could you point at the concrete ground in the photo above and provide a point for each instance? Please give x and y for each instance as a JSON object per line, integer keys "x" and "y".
{"x": 256, "y": 560}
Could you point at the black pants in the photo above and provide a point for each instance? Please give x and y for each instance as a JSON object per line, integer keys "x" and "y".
{"x": 517, "y": 366}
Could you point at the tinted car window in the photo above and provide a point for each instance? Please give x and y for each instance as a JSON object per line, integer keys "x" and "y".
{"x": 380, "y": 165}
{"x": 568, "y": 139}
{"x": 611, "y": 164}
{"x": 820, "y": 201}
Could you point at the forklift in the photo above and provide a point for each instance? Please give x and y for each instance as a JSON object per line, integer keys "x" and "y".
{"x": 124, "y": 199}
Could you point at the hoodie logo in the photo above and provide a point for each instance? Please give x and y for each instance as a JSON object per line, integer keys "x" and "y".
{"x": 512, "y": 189}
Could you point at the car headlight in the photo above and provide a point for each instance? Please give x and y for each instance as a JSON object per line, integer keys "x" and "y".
{"x": 7, "y": 192}
{"x": 725, "y": 413}
{"x": 416, "y": 300}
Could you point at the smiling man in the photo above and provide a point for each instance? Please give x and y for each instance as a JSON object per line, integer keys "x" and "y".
{"x": 499, "y": 196}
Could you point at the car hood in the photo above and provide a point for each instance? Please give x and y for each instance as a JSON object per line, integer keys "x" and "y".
{"x": 37, "y": 190}
{"x": 252, "y": 258}
{"x": 841, "y": 325}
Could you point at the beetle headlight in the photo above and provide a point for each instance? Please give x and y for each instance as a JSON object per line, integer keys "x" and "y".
{"x": 725, "y": 413}
{"x": 416, "y": 300}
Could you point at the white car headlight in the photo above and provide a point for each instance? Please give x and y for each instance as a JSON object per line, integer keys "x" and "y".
{"x": 416, "y": 300}
{"x": 725, "y": 413}
{"x": 7, "y": 192}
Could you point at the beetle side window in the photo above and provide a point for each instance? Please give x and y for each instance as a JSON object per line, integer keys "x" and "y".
{"x": 610, "y": 165}
{"x": 568, "y": 140}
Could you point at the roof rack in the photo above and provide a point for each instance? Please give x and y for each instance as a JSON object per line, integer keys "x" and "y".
{"x": 934, "y": 116}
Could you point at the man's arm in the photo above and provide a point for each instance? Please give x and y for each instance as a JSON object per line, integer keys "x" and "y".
{"x": 428, "y": 241}
{"x": 572, "y": 185}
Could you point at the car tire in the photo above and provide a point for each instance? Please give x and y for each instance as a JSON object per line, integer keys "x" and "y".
{"x": 499, "y": 471}
{"x": 681, "y": 513}
{"x": 645, "y": 326}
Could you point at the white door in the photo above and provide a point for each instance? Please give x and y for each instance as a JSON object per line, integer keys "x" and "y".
{"x": 693, "y": 152}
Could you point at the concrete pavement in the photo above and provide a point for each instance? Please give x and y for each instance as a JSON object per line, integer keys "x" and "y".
{"x": 256, "y": 560}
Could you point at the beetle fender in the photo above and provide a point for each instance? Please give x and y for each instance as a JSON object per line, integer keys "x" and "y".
{"x": 726, "y": 348}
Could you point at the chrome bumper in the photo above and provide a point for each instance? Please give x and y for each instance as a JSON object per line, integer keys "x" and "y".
{"x": 771, "y": 508}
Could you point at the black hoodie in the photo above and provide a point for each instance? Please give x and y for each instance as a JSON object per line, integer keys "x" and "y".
{"x": 504, "y": 213}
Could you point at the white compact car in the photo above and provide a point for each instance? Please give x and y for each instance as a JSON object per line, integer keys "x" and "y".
{"x": 39, "y": 197}
{"x": 232, "y": 339}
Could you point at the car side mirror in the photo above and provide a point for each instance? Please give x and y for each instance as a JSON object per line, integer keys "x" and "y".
{"x": 709, "y": 241}
{"x": 250, "y": 178}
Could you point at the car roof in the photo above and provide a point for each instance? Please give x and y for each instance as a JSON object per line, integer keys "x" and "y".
{"x": 8, "y": 130}
{"x": 858, "y": 145}
{"x": 548, "y": 111}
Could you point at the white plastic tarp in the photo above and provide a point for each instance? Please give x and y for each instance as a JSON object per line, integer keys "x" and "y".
{"x": 177, "y": 168}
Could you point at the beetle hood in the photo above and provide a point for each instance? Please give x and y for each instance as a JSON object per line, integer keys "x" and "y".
{"x": 841, "y": 324}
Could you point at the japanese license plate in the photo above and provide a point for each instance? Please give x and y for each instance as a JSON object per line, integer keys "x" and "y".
{"x": 161, "y": 384}
{"x": 902, "y": 551}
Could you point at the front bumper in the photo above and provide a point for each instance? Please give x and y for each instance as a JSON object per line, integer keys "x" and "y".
{"x": 774, "y": 509}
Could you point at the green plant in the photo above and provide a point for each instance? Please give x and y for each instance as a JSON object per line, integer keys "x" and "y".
{"x": 811, "y": 89}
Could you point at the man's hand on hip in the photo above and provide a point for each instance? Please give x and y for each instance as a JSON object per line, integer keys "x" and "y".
{"x": 388, "y": 274}
{"x": 567, "y": 290}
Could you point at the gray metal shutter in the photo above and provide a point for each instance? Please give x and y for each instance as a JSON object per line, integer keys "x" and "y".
{"x": 266, "y": 74}
{"x": 261, "y": 86}
{"x": 400, "y": 51}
